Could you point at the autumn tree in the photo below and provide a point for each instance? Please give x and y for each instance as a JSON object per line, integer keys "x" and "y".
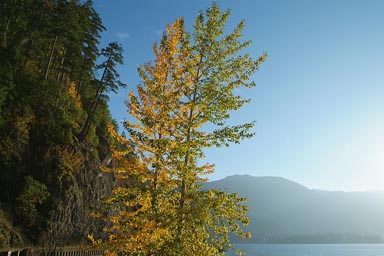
{"x": 181, "y": 108}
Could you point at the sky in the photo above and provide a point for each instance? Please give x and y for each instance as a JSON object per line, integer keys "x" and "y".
{"x": 319, "y": 99}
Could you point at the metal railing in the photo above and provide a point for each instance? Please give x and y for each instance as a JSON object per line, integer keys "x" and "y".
{"x": 52, "y": 252}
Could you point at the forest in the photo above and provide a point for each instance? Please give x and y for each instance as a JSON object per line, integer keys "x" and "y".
{"x": 53, "y": 119}
{"x": 69, "y": 178}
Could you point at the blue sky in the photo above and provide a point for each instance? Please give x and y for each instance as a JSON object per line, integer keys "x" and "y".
{"x": 319, "y": 99}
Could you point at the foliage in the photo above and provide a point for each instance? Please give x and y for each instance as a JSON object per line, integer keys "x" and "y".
{"x": 181, "y": 108}
{"x": 48, "y": 54}
{"x": 9, "y": 236}
{"x": 33, "y": 195}
{"x": 109, "y": 81}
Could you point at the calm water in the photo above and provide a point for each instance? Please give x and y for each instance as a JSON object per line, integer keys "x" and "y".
{"x": 313, "y": 249}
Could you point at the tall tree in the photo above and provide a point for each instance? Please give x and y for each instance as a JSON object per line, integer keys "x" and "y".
{"x": 109, "y": 81}
{"x": 90, "y": 52}
{"x": 48, "y": 49}
{"x": 181, "y": 108}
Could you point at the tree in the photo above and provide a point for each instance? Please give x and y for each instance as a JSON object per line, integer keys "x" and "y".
{"x": 33, "y": 195}
{"x": 48, "y": 50}
{"x": 109, "y": 81}
{"x": 181, "y": 108}
{"x": 90, "y": 53}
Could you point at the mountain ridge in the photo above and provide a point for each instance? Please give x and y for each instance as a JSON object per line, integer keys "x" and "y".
{"x": 282, "y": 210}
{"x": 289, "y": 180}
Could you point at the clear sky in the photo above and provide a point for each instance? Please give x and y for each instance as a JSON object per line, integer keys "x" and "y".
{"x": 319, "y": 99}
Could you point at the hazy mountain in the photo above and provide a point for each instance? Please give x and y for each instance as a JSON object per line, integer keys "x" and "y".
{"x": 285, "y": 211}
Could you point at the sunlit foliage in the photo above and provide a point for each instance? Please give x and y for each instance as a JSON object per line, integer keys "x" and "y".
{"x": 181, "y": 108}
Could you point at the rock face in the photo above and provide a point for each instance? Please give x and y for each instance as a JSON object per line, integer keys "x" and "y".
{"x": 84, "y": 193}
{"x": 74, "y": 195}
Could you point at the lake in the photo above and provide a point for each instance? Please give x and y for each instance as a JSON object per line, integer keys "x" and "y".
{"x": 313, "y": 249}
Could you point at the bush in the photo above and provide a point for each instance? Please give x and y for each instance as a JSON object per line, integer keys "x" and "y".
{"x": 33, "y": 194}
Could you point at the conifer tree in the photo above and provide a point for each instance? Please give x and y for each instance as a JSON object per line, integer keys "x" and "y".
{"x": 109, "y": 81}
{"x": 48, "y": 50}
{"x": 180, "y": 109}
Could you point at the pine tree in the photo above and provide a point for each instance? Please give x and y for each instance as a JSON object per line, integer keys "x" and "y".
{"x": 48, "y": 50}
{"x": 109, "y": 81}
{"x": 181, "y": 109}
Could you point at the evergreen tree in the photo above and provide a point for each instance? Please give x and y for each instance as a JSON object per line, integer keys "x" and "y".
{"x": 48, "y": 50}
{"x": 108, "y": 82}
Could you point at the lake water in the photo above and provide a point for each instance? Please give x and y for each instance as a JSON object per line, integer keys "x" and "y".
{"x": 313, "y": 249}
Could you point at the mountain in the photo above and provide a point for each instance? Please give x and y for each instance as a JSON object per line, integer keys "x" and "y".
{"x": 284, "y": 211}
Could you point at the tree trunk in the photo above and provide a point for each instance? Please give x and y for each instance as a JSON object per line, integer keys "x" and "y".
{"x": 183, "y": 189}
{"x": 80, "y": 79}
{"x": 50, "y": 60}
{"x": 186, "y": 160}
{"x": 60, "y": 69}
{"x": 84, "y": 131}
{"x": 8, "y": 23}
